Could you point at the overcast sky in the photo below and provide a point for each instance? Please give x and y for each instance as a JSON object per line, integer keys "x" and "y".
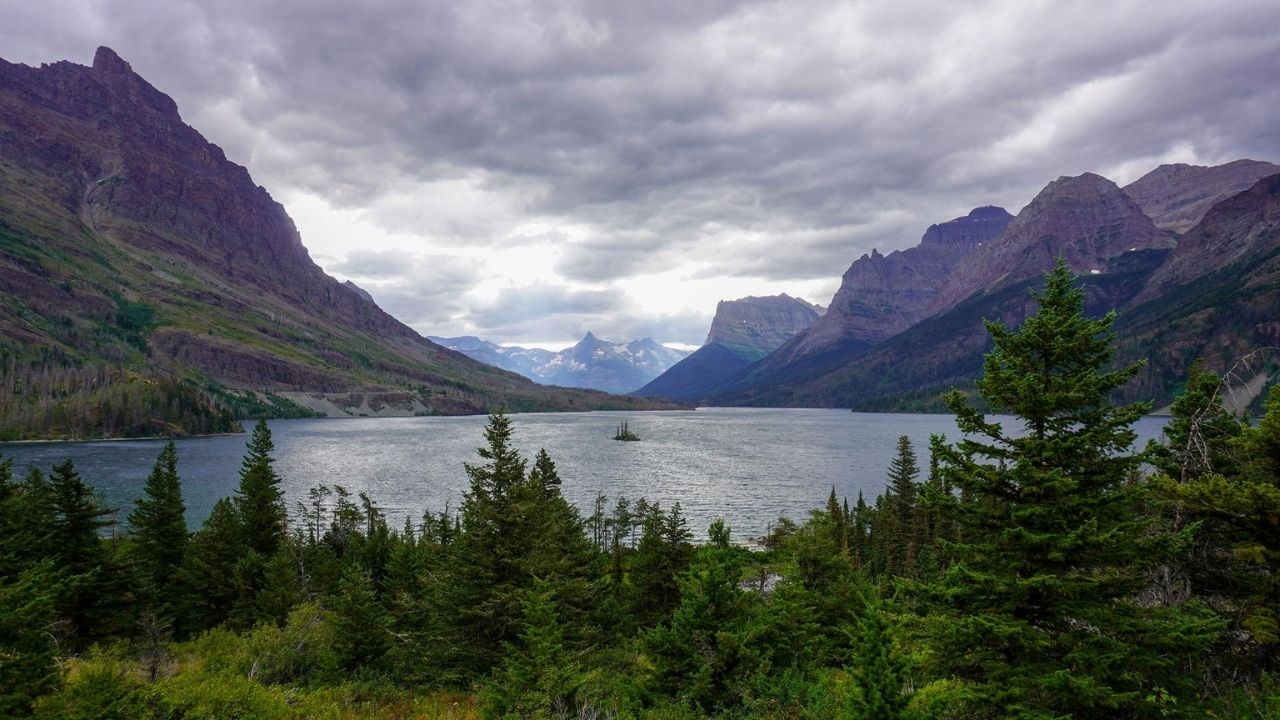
{"x": 528, "y": 171}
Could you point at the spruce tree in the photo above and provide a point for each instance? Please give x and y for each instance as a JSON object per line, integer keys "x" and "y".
{"x": 539, "y": 675}
{"x": 88, "y": 605}
{"x": 879, "y": 671}
{"x": 1201, "y": 435}
{"x": 209, "y": 567}
{"x": 661, "y": 556}
{"x": 160, "y": 528}
{"x": 362, "y": 632}
{"x": 903, "y": 474}
{"x": 480, "y": 600}
{"x": 259, "y": 500}
{"x": 1231, "y": 495}
{"x": 697, "y": 656}
{"x": 1035, "y": 615}
{"x": 28, "y": 652}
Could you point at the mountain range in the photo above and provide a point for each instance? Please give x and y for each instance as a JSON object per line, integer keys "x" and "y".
{"x": 591, "y": 363}
{"x": 148, "y": 285}
{"x": 1186, "y": 256}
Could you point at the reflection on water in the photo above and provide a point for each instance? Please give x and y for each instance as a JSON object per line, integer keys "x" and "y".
{"x": 746, "y": 465}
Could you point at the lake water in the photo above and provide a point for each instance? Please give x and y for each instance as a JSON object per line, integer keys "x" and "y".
{"x": 746, "y": 465}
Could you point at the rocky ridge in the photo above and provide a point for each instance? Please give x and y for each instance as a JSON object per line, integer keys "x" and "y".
{"x": 882, "y": 295}
{"x": 1177, "y": 196}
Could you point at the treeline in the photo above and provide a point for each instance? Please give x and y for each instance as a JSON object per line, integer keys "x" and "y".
{"x": 49, "y": 400}
{"x": 1048, "y": 573}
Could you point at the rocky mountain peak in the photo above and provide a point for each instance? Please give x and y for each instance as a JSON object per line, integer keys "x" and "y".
{"x": 760, "y": 324}
{"x": 980, "y": 225}
{"x": 1177, "y": 196}
{"x": 882, "y": 295}
{"x": 1085, "y": 219}
{"x": 107, "y": 62}
{"x": 1240, "y": 226}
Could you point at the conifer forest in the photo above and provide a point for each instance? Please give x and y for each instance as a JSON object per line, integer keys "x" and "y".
{"x": 1050, "y": 570}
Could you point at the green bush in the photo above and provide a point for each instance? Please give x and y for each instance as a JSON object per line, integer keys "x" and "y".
{"x": 101, "y": 687}
{"x": 218, "y": 696}
{"x": 301, "y": 651}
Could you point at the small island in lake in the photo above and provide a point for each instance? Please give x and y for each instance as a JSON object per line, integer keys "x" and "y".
{"x": 624, "y": 433}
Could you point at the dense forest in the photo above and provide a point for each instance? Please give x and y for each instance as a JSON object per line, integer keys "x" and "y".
{"x": 1053, "y": 572}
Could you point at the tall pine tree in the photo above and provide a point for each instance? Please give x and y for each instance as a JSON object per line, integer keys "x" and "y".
{"x": 259, "y": 499}
{"x": 89, "y": 603}
{"x": 160, "y": 529}
{"x": 1035, "y": 615}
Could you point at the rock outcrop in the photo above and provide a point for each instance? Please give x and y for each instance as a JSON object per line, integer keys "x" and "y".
{"x": 757, "y": 325}
{"x": 1176, "y": 197}
{"x": 1087, "y": 220}
{"x": 882, "y": 295}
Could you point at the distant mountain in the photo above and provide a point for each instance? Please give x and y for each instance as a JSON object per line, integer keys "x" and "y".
{"x": 592, "y": 363}
{"x": 757, "y": 325}
{"x": 523, "y": 361}
{"x": 742, "y": 332}
{"x": 1176, "y": 197}
{"x": 149, "y": 286}
{"x": 1101, "y": 232}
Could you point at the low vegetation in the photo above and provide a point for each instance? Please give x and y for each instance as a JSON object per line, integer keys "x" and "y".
{"x": 1057, "y": 572}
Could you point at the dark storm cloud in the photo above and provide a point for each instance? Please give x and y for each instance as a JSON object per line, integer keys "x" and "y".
{"x": 775, "y": 140}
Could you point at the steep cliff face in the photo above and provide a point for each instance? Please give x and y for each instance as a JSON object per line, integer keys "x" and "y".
{"x": 1176, "y": 197}
{"x": 742, "y": 331}
{"x": 129, "y": 242}
{"x": 882, "y": 295}
{"x": 1085, "y": 219}
{"x": 757, "y": 325}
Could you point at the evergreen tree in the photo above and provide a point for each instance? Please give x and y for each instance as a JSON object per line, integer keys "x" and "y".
{"x": 837, "y": 522}
{"x": 160, "y": 528}
{"x": 661, "y": 556}
{"x": 878, "y": 669}
{"x": 861, "y": 532}
{"x": 480, "y": 601}
{"x": 903, "y": 473}
{"x": 697, "y": 656}
{"x": 1236, "y": 563}
{"x": 1035, "y": 614}
{"x": 209, "y": 567}
{"x": 88, "y": 604}
{"x": 28, "y": 653}
{"x": 902, "y": 534}
{"x": 539, "y": 676}
{"x": 363, "y": 626}
{"x": 1201, "y": 435}
{"x": 259, "y": 500}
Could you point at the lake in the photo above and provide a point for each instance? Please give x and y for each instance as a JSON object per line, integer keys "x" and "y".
{"x": 746, "y": 465}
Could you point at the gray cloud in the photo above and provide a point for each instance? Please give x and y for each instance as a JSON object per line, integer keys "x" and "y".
{"x": 776, "y": 140}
